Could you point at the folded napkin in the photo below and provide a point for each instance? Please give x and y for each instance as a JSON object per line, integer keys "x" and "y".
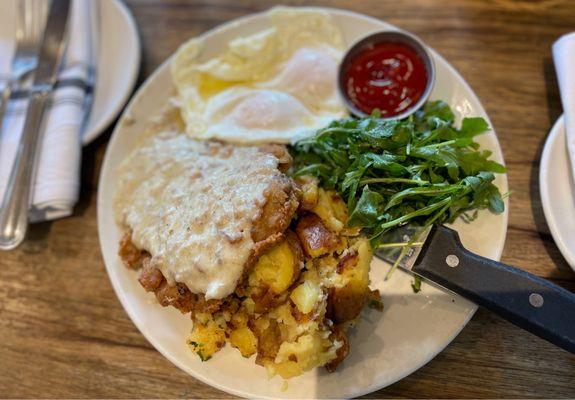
{"x": 564, "y": 58}
{"x": 57, "y": 185}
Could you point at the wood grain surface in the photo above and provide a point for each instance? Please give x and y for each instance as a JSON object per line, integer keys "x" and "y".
{"x": 63, "y": 333}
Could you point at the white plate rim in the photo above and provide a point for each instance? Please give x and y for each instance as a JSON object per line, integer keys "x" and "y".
{"x": 122, "y": 295}
{"x": 545, "y": 192}
{"x": 94, "y": 129}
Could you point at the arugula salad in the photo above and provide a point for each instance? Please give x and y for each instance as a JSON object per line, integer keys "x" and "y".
{"x": 421, "y": 169}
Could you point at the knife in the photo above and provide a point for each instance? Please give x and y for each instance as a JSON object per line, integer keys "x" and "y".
{"x": 17, "y": 198}
{"x": 523, "y": 299}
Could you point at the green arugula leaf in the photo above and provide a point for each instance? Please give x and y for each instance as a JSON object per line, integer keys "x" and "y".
{"x": 367, "y": 210}
{"x": 471, "y": 127}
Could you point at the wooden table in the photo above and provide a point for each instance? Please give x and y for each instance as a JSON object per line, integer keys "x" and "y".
{"x": 63, "y": 333}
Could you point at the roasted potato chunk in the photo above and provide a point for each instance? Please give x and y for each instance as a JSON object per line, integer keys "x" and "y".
{"x": 244, "y": 340}
{"x": 347, "y": 301}
{"x": 305, "y": 296}
{"x": 309, "y": 351}
{"x": 269, "y": 338}
{"x": 207, "y": 339}
{"x": 331, "y": 209}
{"x": 310, "y": 192}
{"x": 339, "y": 334}
{"x": 279, "y": 267}
{"x": 315, "y": 238}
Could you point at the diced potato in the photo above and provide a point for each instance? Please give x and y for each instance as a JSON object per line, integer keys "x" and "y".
{"x": 347, "y": 261}
{"x": 310, "y": 192}
{"x": 305, "y": 296}
{"x": 240, "y": 319}
{"x": 267, "y": 300}
{"x": 346, "y": 302}
{"x": 315, "y": 238}
{"x": 283, "y": 315}
{"x": 278, "y": 268}
{"x": 309, "y": 351}
{"x": 207, "y": 339}
{"x": 249, "y": 305}
{"x": 339, "y": 335}
{"x": 269, "y": 338}
{"x": 244, "y": 340}
{"x": 331, "y": 209}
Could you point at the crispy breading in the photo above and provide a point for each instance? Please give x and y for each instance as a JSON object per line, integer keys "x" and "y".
{"x": 268, "y": 229}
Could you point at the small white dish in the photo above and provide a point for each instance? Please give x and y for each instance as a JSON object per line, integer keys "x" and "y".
{"x": 118, "y": 52}
{"x": 385, "y": 347}
{"x": 558, "y": 191}
{"x": 117, "y": 69}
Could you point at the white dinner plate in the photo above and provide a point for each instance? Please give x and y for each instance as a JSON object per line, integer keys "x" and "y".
{"x": 558, "y": 191}
{"x": 118, "y": 61}
{"x": 386, "y": 346}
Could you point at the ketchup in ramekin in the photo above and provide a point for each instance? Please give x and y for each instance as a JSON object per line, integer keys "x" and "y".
{"x": 388, "y": 71}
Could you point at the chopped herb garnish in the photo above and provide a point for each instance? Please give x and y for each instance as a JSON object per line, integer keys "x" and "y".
{"x": 416, "y": 284}
{"x": 197, "y": 348}
{"x": 376, "y": 305}
{"x": 202, "y": 357}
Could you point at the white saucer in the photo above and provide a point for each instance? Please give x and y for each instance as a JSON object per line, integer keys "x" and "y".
{"x": 118, "y": 55}
{"x": 558, "y": 191}
{"x": 118, "y": 66}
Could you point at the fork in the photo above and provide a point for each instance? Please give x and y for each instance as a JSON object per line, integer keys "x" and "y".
{"x": 30, "y": 21}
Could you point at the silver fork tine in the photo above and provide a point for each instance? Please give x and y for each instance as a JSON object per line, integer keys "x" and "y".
{"x": 21, "y": 23}
{"x": 36, "y": 19}
{"x": 30, "y": 21}
{"x": 30, "y": 25}
{"x": 36, "y": 16}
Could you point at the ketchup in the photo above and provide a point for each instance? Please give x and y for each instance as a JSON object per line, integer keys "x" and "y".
{"x": 387, "y": 76}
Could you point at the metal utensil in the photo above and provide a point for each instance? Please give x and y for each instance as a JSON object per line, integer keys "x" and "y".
{"x": 14, "y": 210}
{"x": 30, "y": 22}
{"x": 523, "y": 299}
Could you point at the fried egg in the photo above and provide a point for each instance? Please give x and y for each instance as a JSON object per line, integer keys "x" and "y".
{"x": 277, "y": 85}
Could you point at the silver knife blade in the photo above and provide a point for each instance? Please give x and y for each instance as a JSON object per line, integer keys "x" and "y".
{"x": 52, "y": 44}
{"x": 396, "y": 247}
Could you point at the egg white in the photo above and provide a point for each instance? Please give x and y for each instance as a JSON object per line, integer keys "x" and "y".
{"x": 275, "y": 86}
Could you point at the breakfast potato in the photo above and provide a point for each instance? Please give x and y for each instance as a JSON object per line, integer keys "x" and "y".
{"x": 347, "y": 301}
{"x": 244, "y": 340}
{"x": 207, "y": 339}
{"x": 339, "y": 335}
{"x": 305, "y": 296}
{"x": 269, "y": 338}
{"x": 266, "y": 300}
{"x": 310, "y": 192}
{"x": 309, "y": 351}
{"x": 331, "y": 209}
{"x": 316, "y": 239}
{"x": 279, "y": 267}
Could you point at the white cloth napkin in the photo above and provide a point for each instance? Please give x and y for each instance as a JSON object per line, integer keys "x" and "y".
{"x": 57, "y": 185}
{"x": 564, "y": 58}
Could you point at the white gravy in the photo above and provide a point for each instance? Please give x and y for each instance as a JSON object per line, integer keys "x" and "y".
{"x": 191, "y": 205}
